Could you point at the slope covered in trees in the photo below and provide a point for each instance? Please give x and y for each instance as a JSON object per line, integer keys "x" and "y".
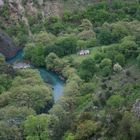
{"x": 101, "y": 97}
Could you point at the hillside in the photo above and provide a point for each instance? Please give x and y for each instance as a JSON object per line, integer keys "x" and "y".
{"x": 92, "y": 47}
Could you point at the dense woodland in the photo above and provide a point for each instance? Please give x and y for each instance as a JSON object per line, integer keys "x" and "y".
{"x": 101, "y": 96}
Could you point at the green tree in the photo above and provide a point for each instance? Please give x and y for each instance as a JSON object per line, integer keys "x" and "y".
{"x": 119, "y": 58}
{"x": 119, "y": 31}
{"x": 43, "y": 38}
{"x": 106, "y": 62}
{"x": 138, "y": 60}
{"x": 68, "y": 45}
{"x": 28, "y": 50}
{"x": 87, "y": 69}
{"x": 68, "y": 136}
{"x": 86, "y": 25}
{"x": 115, "y": 101}
{"x": 104, "y": 35}
{"x": 127, "y": 46}
{"x": 37, "y": 127}
{"x": 85, "y": 130}
{"x": 53, "y": 62}
{"x": 15, "y": 115}
{"x": 38, "y": 57}
{"x": 86, "y": 35}
{"x": 81, "y": 44}
{"x": 2, "y": 58}
{"x": 38, "y": 97}
{"x": 8, "y": 132}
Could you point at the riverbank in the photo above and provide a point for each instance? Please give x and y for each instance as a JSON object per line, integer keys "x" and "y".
{"x": 49, "y": 77}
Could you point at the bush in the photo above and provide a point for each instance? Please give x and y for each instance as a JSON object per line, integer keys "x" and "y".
{"x": 117, "y": 68}
{"x": 87, "y": 69}
{"x": 115, "y": 101}
{"x": 106, "y": 63}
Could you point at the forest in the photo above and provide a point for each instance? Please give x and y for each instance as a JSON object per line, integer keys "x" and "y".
{"x": 101, "y": 91}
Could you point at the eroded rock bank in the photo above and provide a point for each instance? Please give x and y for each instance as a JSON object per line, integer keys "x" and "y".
{"x": 7, "y": 46}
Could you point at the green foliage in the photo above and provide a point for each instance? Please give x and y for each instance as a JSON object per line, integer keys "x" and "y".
{"x": 53, "y": 62}
{"x": 68, "y": 136}
{"x": 128, "y": 46}
{"x": 36, "y": 97}
{"x": 87, "y": 69}
{"x": 106, "y": 67}
{"x": 35, "y": 54}
{"x": 5, "y": 82}
{"x": 86, "y": 25}
{"x": 9, "y": 132}
{"x": 115, "y": 101}
{"x": 2, "y": 58}
{"x": 119, "y": 58}
{"x": 138, "y": 60}
{"x": 106, "y": 62}
{"x": 85, "y": 130}
{"x": 38, "y": 57}
{"x": 36, "y": 127}
{"x": 112, "y": 33}
{"x": 88, "y": 109}
{"x": 54, "y": 25}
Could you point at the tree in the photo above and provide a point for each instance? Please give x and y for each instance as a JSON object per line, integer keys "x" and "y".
{"x": 65, "y": 119}
{"x": 37, "y": 97}
{"x": 8, "y": 132}
{"x": 86, "y": 25}
{"x": 37, "y": 127}
{"x": 43, "y": 38}
{"x": 138, "y": 60}
{"x": 119, "y": 58}
{"x": 125, "y": 126}
{"x": 68, "y": 136}
{"x": 104, "y": 35}
{"x": 127, "y": 46}
{"x": 5, "y": 82}
{"x": 35, "y": 53}
{"x": 38, "y": 56}
{"x": 117, "y": 67}
{"x": 106, "y": 62}
{"x": 85, "y": 130}
{"x": 63, "y": 46}
{"x": 87, "y": 69}
{"x": 53, "y": 62}
{"x": 2, "y": 58}
{"x": 106, "y": 71}
{"x": 86, "y": 35}
{"x": 54, "y": 25}
{"x": 27, "y": 77}
{"x": 81, "y": 44}
{"x": 119, "y": 31}
{"x": 68, "y": 44}
{"x": 115, "y": 101}
{"x": 15, "y": 115}
{"x": 28, "y": 50}
{"x": 68, "y": 72}
{"x": 99, "y": 56}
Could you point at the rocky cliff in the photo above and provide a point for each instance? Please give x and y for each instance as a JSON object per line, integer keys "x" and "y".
{"x": 7, "y": 47}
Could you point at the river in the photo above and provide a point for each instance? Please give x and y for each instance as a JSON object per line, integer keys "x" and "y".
{"x": 48, "y": 76}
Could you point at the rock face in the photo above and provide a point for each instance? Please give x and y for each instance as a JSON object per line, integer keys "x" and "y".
{"x": 136, "y": 108}
{"x": 7, "y": 47}
{"x": 1, "y": 3}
